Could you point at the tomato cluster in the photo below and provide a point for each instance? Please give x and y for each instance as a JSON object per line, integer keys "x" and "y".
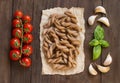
{"x": 22, "y": 38}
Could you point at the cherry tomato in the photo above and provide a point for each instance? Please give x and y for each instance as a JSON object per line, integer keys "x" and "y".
{"x": 27, "y": 38}
{"x": 15, "y": 55}
{"x": 28, "y": 28}
{"x": 16, "y": 23}
{"x": 27, "y": 50}
{"x": 15, "y": 43}
{"x": 17, "y": 33}
{"x": 26, "y": 19}
{"x": 26, "y": 62}
{"x": 18, "y": 14}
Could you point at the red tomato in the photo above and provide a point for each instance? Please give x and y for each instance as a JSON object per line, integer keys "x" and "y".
{"x": 28, "y": 28}
{"x": 18, "y": 14}
{"x": 15, "y": 43}
{"x": 27, "y": 50}
{"x": 17, "y": 33}
{"x": 15, "y": 55}
{"x": 26, "y": 19}
{"x": 27, "y": 38}
{"x": 26, "y": 62}
{"x": 16, "y": 23}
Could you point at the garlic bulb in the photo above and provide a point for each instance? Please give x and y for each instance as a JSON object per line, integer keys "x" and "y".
{"x": 103, "y": 69}
{"x": 92, "y": 71}
{"x": 104, "y": 20}
{"x": 91, "y": 19}
{"x": 108, "y": 60}
{"x": 100, "y": 9}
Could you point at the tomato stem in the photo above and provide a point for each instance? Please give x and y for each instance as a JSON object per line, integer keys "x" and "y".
{"x": 21, "y": 37}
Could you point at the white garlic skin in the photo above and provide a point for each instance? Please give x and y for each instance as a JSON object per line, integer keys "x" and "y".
{"x": 105, "y": 21}
{"x": 103, "y": 69}
{"x": 108, "y": 60}
{"x": 92, "y": 71}
{"x": 91, "y": 19}
{"x": 100, "y": 9}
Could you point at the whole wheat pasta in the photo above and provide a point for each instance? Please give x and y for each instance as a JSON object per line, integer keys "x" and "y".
{"x": 55, "y": 26}
{"x": 60, "y": 41}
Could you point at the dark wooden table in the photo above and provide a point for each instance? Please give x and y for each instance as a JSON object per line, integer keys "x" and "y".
{"x": 11, "y": 72}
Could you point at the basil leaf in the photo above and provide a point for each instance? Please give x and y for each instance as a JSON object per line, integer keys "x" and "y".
{"x": 104, "y": 43}
{"x": 96, "y": 52}
{"x": 99, "y": 33}
{"x": 94, "y": 42}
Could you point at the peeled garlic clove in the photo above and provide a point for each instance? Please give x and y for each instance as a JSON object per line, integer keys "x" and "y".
{"x": 103, "y": 69}
{"x": 91, "y": 19}
{"x": 100, "y": 9}
{"x": 108, "y": 60}
{"x": 104, "y": 20}
{"x": 92, "y": 71}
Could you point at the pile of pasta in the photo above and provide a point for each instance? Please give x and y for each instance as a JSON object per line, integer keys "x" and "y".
{"x": 60, "y": 43}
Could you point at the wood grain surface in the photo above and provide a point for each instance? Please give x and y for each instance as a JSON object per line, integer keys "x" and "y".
{"x": 12, "y": 72}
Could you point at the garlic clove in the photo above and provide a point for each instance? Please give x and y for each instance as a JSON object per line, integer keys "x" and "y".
{"x": 92, "y": 71}
{"x": 91, "y": 19}
{"x": 105, "y": 21}
{"x": 108, "y": 60}
{"x": 103, "y": 69}
{"x": 100, "y": 9}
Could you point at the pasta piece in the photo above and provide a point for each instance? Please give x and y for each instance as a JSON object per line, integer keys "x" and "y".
{"x": 65, "y": 24}
{"x": 70, "y": 45}
{"x": 76, "y": 42}
{"x": 48, "y": 54}
{"x": 45, "y": 44}
{"x": 64, "y": 55}
{"x": 52, "y": 47}
{"x": 47, "y": 25}
{"x": 73, "y": 20}
{"x": 72, "y": 32}
{"x": 60, "y": 16}
{"x": 47, "y": 40}
{"x": 64, "y": 42}
{"x": 68, "y": 19}
{"x": 59, "y": 27}
{"x": 58, "y": 54}
{"x": 58, "y": 66}
{"x": 68, "y": 13}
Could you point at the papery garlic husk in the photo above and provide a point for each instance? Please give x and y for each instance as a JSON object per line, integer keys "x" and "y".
{"x": 108, "y": 60}
{"x": 103, "y": 69}
{"x": 92, "y": 71}
{"x": 100, "y": 9}
{"x": 91, "y": 19}
{"x": 105, "y": 21}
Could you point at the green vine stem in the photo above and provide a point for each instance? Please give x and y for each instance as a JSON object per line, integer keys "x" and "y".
{"x": 21, "y": 37}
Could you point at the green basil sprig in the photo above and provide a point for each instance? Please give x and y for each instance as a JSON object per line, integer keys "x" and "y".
{"x": 98, "y": 42}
